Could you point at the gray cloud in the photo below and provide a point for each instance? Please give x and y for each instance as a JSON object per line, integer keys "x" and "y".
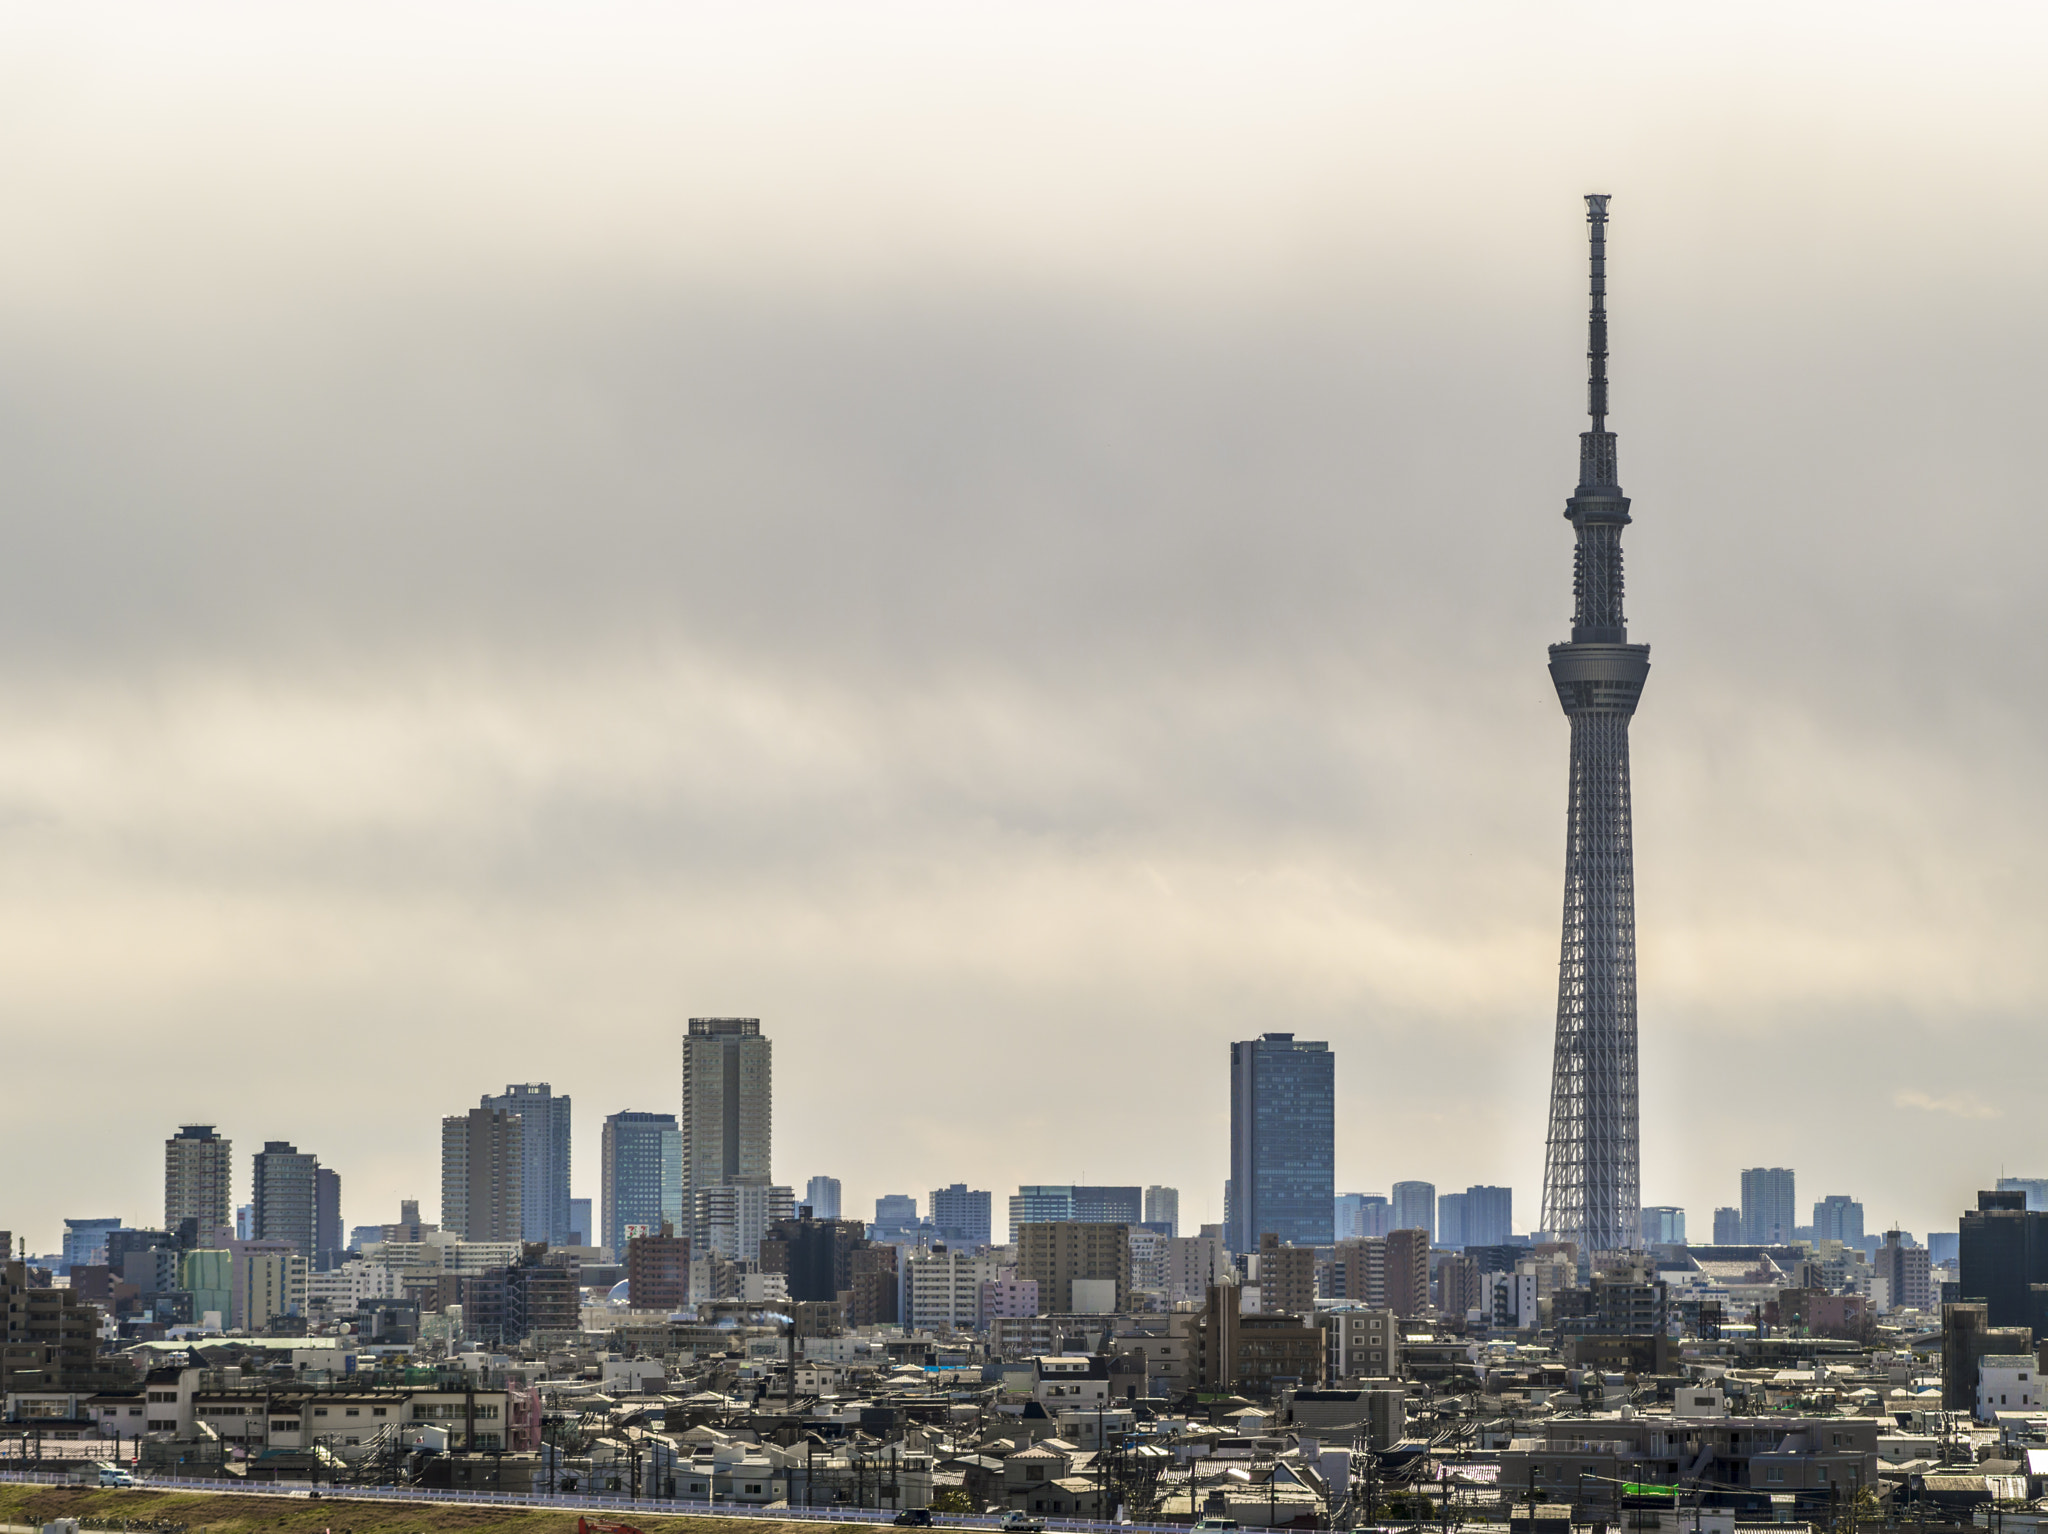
{"x": 1014, "y": 594}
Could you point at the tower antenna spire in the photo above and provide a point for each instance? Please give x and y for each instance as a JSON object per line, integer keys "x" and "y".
{"x": 1592, "y": 1179}
{"x": 1596, "y": 319}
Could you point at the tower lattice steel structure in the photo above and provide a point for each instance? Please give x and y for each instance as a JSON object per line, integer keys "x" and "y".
{"x": 1591, "y": 1179}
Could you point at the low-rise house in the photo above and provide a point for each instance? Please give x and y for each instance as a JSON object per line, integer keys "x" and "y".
{"x": 2007, "y": 1382}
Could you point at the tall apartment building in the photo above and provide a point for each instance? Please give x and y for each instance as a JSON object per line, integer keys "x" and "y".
{"x": 658, "y": 1270}
{"x": 1727, "y": 1226}
{"x": 544, "y": 1168}
{"x": 1043, "y": 1203}
{"x": 1358, "y": 1272}
{"x": 962, "y": 1216}
{"x": 1768, "y": 1207}
{"x": 1162, "y": 1210}
{"x": 285, "y": 1195}
{"x": 49, "y": 1338}
{"x": 328, "y": 1238}
{"x": 1663, "y": 1225}
{"x": 1057, "y": 1254}
{"x": 1415, "y": 1207}
{"x": 728, "y": 1089}
{"x": 1192, "y": 1265}
{"x": 640, "y": 1163}
{"x": 483, "y": 1182}
{"x": 944, "y": 1289}
{"x": 874, "y": 1288}
{"x": 1257, "y": 1353}
{"x": 1450, "y": 1220}
{"x": 815, "y": 1256}
{"x": 1458, "y": 1286}
{"x": 1283, "y": 1142}
{"x": 1407, "y": 1272}
{"x": 269, "y": 1280}
{"x": 1905, "y": 1270}
{"x": 1362, "y": 1215}
{"x": 582, "y": 1218}
{"x": 1287, "y": 1278}
{"x": 730, "y": 1218}
{"x": 199, "y": 1180}
{"x": 1489, "y": 1215}
{"x": 1148, "y": 1261}
{"x": 821, "y": 1194}
{"x": 1838, "y": 1217}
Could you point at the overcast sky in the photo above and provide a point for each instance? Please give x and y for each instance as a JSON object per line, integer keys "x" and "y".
{"x": 1016, "y": 545}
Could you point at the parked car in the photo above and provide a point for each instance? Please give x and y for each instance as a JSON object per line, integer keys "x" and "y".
{"x": 111, "y": 1475}
{"x": 1017, "y": 1521}
{"x": 1216, "y": 1525}
{"x": 914, "y": 1518}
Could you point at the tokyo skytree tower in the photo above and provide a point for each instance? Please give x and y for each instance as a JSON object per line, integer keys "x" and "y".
{"x": 1591, "y": 1176}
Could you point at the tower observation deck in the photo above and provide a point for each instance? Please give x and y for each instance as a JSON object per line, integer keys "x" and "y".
{"x": 1591, "y": 1169}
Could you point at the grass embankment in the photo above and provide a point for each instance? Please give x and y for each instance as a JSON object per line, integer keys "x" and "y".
{"x": 236, "y": 1513}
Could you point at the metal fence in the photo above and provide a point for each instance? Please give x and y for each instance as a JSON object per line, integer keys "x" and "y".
{"x": 647, "y": 1506}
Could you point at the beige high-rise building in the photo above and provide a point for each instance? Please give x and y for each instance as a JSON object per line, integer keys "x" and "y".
{"x": 482, "y": 1183}
{"x": 1287, "y": 1278}
{"x": 199, "y": 1181}
{"x": 1192, "y": 1264}
{"x": 1055, "y": 1253}
{"x": 728, "y": 1081}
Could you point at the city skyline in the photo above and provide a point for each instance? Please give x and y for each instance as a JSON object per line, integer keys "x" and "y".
{"x": 947, "y": 567}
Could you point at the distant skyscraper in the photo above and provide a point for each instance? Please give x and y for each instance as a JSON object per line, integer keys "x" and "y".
{"x": 1346, "y": 1215}
{"x": 1361, "y": 1216}
{"x": 640, "y": 1162}
{"x": 1768, "y": 1206}
{"x": 1727, "y": 1226}
{"x": 1838, "y": 1217}
{"x": 1591, "y": 1164}
{"x": 1663, "y": 1225}
{"x": 328, "y": 1239}
{"x": 284, "y": 1190}
{"x": 583, "y": 1220}
{"x": 198, "y": 1181}
{"x": 1283, "y": 1141}
{"x": 1904, "y": 1268}
{"x": 1450, "y": 1220}
{"x": 961, "y": 1216}
{"x": 1044, "y": 1203}
{"x": 85, "y": 1241}
{"x": 483, "y": 1185}
{"x": 895, "y": 1217}
{"x": 544, "y": 1171}
{"x": 1415, "y": 1207}
{"x": 245, "y": 1222}
{"x": 728, "y": 1085}
{"x": 822, "y": 1194}
{"x": 2035, "y": 1188}
{"x": 1489, "y": 1214}
{"x": 1162, "y": 1208}
{"x": 1040, "y": 1204}
{"x": 731, "y": 1218}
